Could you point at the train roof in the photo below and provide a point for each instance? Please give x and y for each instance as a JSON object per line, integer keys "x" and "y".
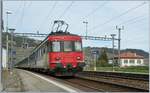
{"x": 59, "y": 33}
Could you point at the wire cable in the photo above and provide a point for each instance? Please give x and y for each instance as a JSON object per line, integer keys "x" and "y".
{"x": 22, "y": 16}
{"x": 131, "y": 20}
{"x": 67, "y": 8}
{"x": 98, "y": 8}
{"x": 116, "y": 17}
{"x": 50, "y": 12}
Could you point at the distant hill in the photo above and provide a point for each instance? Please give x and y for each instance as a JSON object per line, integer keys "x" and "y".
{"x": 19, "y": 40}
{"x": 138, "y": 52}
{"x": 109, "y": 50}
{"x": 21, "y": 52}
{"x": 89, "y": 56}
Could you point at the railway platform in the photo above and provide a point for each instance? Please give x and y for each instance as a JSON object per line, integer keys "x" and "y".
{"x": 24, "y": 81}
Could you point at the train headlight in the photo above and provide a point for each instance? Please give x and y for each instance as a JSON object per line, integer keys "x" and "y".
{"x": 78, "y": 58}
{"x": 57, "y": 58}
{"x": 64, "y": 66}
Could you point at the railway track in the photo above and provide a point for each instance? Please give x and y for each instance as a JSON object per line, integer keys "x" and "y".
{"x": 135, "y": 81}
{"x": 133, "y": 76}
{"x": 94, "y": 86}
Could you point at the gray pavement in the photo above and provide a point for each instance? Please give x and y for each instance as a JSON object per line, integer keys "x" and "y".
{"x": 25, "y": 81}
{"x": 33, "y": 83}
{"x": 11, "y": 81}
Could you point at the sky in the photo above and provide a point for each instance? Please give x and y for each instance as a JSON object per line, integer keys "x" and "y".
{"x": 102, "y": 17}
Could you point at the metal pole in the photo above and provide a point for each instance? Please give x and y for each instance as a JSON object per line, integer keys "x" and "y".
{"x": 11, "y": 50}
{"x": 119, "y": 46}
{"x": 113, "y": 52}
{"x": 119, "y": 42}
{"x": 7, "y": 48}
{"x": 95, "y": 62}
{"x": 86, "y": 24}
{"x": 86, "y": 28}
{"x": 7, "y": 64}
{"x": 1, "y": 24}
{"x": 113, "y": 35}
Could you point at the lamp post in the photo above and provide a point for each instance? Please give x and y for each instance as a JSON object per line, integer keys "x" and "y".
{"x": 7, "y": 57}
{"x": 11, "y": 49}
{"x": 113, "y": 38}
{"x": 86, "y": 24}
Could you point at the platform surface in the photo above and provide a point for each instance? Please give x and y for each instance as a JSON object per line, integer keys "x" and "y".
{"x": 24, "y": 81}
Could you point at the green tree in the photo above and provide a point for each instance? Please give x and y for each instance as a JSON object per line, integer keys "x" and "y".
{"x": 103, "y": 59}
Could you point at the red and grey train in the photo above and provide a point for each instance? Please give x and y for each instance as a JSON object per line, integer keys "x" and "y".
{"x": 60, "y": 53}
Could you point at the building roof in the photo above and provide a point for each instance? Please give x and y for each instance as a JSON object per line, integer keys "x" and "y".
{"x": 129, "y": 55}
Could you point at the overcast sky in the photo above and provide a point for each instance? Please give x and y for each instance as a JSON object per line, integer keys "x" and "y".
{"x": 102, "y": 17}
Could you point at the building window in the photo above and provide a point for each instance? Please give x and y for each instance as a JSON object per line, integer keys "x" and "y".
{"x": 131, "y": 61}
{"x": 125, "y": 61}
{"x": 138, "y": 61}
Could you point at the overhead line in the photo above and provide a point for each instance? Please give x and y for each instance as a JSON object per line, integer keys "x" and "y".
{"x": 69, "y": 6}
{"x": 98, "y": 8}
{"x": 50, "y": 12}
{"x": 22, "y": 16}
{"x": 133, "y": 19}
{"x": 17, "y": 11}
{"x": 129, "y": 10}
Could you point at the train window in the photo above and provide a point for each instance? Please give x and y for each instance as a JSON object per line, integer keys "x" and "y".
{"x": 44, "y": 50}
{"x": 78, "y": 46}
{"x": 68, "y": 46}
{"x": 56, "y": 46}
{"x": 49, "y": 47}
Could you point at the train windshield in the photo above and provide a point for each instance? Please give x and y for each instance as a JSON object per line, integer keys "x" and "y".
{"x": 56, "y": 46}
{"x": 78, "y": 46}
{"x": 68, "y": 46}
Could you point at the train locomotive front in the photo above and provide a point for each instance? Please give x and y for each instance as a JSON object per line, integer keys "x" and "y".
{"x": 65, "y": 54}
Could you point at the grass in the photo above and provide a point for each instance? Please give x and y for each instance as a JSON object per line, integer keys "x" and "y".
{"x": 131, "y": 69}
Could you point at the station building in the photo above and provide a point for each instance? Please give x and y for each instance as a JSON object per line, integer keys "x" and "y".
{"x": 130, "y": 59}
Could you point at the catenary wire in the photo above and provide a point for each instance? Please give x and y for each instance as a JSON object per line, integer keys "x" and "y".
{"x": 96, "y": 9}
{"x": 50, "y": 12}
{"x": 116, "y": 17}
{"x": 66, "y": 9}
